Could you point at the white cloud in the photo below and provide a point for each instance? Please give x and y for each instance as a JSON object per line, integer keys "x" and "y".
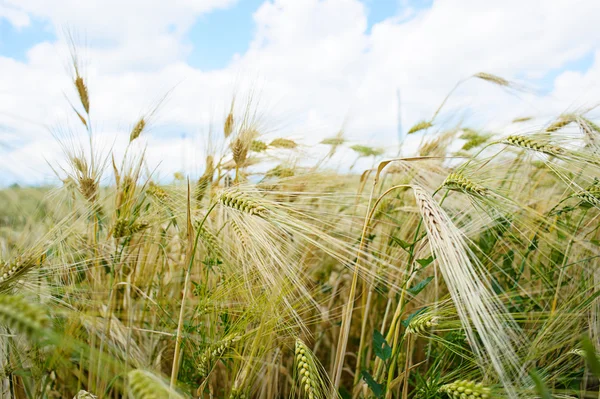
{"x": 313, "y": 62}
{"x": 16, "y": 17}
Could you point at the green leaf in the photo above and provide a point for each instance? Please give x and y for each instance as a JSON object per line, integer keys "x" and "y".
{"x": 374, "y": 386}
{"x": 344, "y": 393}
{"x": 496, "y": 286}
{"x": 425, "y": 262}
{"x": 415, "y": 289}
{"x": 588, "y": 301}
{"x": 381, "y": 347}
{"x": 401, "y": 243}
{"x": 590, "y": 355}
{"x": 540, "y": 387}
{"x": 556, "y": 256}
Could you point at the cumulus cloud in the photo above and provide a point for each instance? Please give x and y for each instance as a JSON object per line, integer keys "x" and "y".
{"x": 315, "y": 65}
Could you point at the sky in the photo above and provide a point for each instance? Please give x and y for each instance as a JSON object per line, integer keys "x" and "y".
{"x": 311, "y": 67}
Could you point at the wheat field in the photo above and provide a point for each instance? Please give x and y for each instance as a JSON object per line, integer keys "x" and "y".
{"x": 467, "y": 270}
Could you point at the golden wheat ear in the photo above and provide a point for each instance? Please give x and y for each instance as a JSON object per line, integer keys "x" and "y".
{"x": 229, "y": 120}
{"x": 488, "y": 77}
{"x": 493, "y": 336}
{"x": 137, "y": 129}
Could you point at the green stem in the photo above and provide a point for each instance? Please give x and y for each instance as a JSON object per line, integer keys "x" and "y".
{"x": 177, "y": 355}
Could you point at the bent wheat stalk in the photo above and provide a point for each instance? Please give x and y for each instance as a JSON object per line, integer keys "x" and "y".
{"x": 492, "y": 339}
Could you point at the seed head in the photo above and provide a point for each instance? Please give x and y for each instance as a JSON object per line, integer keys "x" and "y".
{"x": 280, "y": 171}
{"x": 258, "y": 146}
{"x": 85, "y": 395}
{"x": 456, "y": 181}
{"x": 522, "y": 119}
{"x": 145, "y": 385}
{"x": 492, "y": 78}
{"x": 214, "y": 352}
{"x": 88, "y": 188}
{"x": 591, "y": 194}
{"x": 422, "y": 323}
{"x": 241, "y": 201}
{"x": 308, "y": 374}
{"x": 531, "y": 144}
{"x": 20, "y": 314}
{"x": 465, "y": 389}
{"x": 283, "y": 143}
{"x": 239, "y": 149}
{"x": 137, "y": 130}
{"x": 561, "y": 122}
{"x": 82, "y": 91}
{"x": 420, "y": 126}
{"x": 10, "y": 271}
{"x": 156, "y": 191}
{"x": 228, "y": 127}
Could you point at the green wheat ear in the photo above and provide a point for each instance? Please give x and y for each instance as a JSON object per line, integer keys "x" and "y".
{"x": 242, "y": 202}
{"x": 312, "y": 385}
{"x": 238, "y": 394}
{"x": 422, "y": 125}
{"x": 26, "y": 318}
{"x": 532, "y": 144}
{"x": 458, "y": 182}
{"x": 85, "y": 395}
{"x": 143, "y": 384}
{"x": 214, "y": 353}
{"x": 465, "y": 389}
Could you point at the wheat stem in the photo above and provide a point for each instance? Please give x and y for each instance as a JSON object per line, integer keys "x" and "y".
{"x": 177, "y": 354}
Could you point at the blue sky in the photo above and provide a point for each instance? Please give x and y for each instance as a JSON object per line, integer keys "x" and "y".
{"x": 319, "y": 65}
{"x": 214, "y": 38}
